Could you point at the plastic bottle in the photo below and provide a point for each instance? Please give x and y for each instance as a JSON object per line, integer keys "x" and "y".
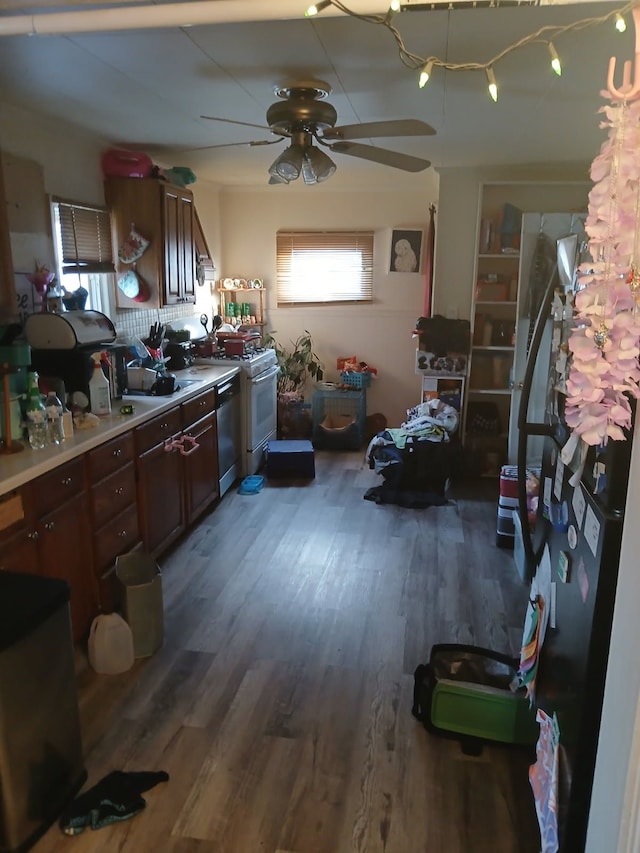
{"x": 36, "y": 414}
{"x": 99, "y": 389}
{"x": 557, "y": 306}
{"x": 55, "y": 429}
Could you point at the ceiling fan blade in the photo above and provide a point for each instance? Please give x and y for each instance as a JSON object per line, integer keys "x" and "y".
{"x": 233, "y": 121}
{"x": 399, "y": 127}
{"x": 253, "y": 144}
{"x": 381, "y": 155}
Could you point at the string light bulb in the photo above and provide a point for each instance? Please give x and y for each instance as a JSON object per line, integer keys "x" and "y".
{"x": 493, "y": 86}
{"x": 394, "y": 6}
{"x": 425, "y": 74}
{"x": 316, "y": 8}
{"x": 621, "y": 24}
{"x": 555, "y": 60}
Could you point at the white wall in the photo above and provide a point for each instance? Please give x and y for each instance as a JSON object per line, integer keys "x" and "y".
{"x": 70, "y": 157}
{"x": 380, "y": 333}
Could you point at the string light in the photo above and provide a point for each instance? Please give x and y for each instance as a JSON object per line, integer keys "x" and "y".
{"x": 394, "y": 6}
{"x": 425, "y": 65}
{"x": 425, "y": 73}
{"x": 317, "y": 7}
{"x": 493, "y": 86}
{"x": 555, "y": 60}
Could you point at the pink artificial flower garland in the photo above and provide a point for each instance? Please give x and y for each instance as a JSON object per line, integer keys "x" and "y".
{"x": 605, "y": 340}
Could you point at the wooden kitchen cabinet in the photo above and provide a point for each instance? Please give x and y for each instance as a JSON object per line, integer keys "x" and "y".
{"x": 18, "y": 548}
{"x": 114, "y": 512}
{"x": 164, "y": 215}
{"x": 201, "y": 472}
{"x": 63, "y": 537}
{"x": 160, "y": 474}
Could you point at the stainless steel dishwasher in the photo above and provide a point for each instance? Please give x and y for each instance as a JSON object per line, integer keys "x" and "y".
{"x": 228, "y": 409}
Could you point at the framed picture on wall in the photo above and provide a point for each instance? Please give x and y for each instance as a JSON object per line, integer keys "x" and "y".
{"x": 406, "y": 250}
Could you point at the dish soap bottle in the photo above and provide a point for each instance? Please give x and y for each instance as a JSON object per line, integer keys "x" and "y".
{"x": 99, "y": 389}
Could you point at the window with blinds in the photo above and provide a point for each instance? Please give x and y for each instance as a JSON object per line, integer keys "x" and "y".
{"x": 324, "y": 267}
{"x": 85, "y": 238}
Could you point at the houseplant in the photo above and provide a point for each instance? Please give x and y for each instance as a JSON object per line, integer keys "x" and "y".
{"x": 297, "y": 364}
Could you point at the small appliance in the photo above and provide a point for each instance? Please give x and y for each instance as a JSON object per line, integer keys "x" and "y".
{"x": 180, "y": 354}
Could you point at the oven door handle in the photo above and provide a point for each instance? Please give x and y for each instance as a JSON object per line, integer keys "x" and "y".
{"x": 266, "y": 375}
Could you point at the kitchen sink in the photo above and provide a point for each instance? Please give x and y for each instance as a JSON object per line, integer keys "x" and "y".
{"x": 180, "y": 384}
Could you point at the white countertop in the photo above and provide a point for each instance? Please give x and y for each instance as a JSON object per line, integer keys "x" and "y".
{"x": 18, "y": 468}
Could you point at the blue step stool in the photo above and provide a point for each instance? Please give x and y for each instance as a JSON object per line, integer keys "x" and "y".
{"x": 292, "y": 459}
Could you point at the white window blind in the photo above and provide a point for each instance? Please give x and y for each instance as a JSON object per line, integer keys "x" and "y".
{"x": 324, "y": 266}
{"x": 85, "y": 233}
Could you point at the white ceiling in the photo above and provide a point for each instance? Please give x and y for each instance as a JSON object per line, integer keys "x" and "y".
{"x": 150, "y": 87}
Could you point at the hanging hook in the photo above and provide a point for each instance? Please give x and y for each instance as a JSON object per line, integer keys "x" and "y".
{"x": 628, "y": 91}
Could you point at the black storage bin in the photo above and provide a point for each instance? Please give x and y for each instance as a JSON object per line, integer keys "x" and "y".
{"x": 41, "y": 762}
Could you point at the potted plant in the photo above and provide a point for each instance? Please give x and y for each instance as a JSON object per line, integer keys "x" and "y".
{"x": 296, "y": 364}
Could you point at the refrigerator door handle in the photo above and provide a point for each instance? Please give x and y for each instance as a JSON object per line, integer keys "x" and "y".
{"x": 527, "y": 428}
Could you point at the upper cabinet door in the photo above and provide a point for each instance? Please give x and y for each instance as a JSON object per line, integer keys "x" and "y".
{"x": 179, "y": 249}
{"x": 162, "y": 214}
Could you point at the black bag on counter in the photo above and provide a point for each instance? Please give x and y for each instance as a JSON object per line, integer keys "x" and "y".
{"x": 441, "y": 335}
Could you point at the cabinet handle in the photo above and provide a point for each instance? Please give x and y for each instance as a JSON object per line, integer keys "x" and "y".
{"x": 117, "y": 452}
{"x": 119, "y": 490}
{"x": 34, "y": 536}
{"x": 122, "y": 534}
{"x": 49, "y": 525}
{"x": 67, "y": 481}
{"x": 191, "y": 440}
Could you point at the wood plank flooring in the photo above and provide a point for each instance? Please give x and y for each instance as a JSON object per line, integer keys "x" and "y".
{"x": 280, "y": 703}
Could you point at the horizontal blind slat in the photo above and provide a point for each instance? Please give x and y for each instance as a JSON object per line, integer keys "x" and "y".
{"x": 324, "y": 266}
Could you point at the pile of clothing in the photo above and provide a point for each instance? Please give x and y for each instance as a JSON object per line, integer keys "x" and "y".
{"x": 416, "y": 459}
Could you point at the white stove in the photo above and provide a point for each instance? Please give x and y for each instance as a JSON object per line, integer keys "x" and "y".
{"x": 259, "y": 380}
{"x": 252, "y": 363}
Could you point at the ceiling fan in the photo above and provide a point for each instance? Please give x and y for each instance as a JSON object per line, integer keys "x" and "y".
{"x": 304, "y": 117}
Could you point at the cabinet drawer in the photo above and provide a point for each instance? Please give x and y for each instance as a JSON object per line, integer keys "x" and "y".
{"x": 118, "y": 536}
{"x": 198, "y": 407}
{"x": 110, "y": 456}
{"x": 113, "y": 494}
{"x": 52, "y": 489}
{"x": 157, "y": 430}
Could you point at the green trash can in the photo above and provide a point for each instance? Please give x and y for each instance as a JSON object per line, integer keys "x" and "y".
{"x": 140, "y": 580}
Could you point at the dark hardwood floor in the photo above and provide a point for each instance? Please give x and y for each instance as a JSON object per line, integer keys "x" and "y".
{"x": 280, "y": 703}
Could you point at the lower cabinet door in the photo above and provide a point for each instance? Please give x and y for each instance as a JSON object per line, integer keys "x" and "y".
{"x": 202, "y": 485}
{"x": 64, "y": 547}
{"x": 160, "y": 497}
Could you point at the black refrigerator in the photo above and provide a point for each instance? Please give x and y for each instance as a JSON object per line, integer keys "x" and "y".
{"x": 579, "y": 530}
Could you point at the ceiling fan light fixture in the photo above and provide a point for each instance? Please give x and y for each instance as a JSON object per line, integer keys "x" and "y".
{"x": 288, "y": 165}
{"x": 318, "y": 164}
